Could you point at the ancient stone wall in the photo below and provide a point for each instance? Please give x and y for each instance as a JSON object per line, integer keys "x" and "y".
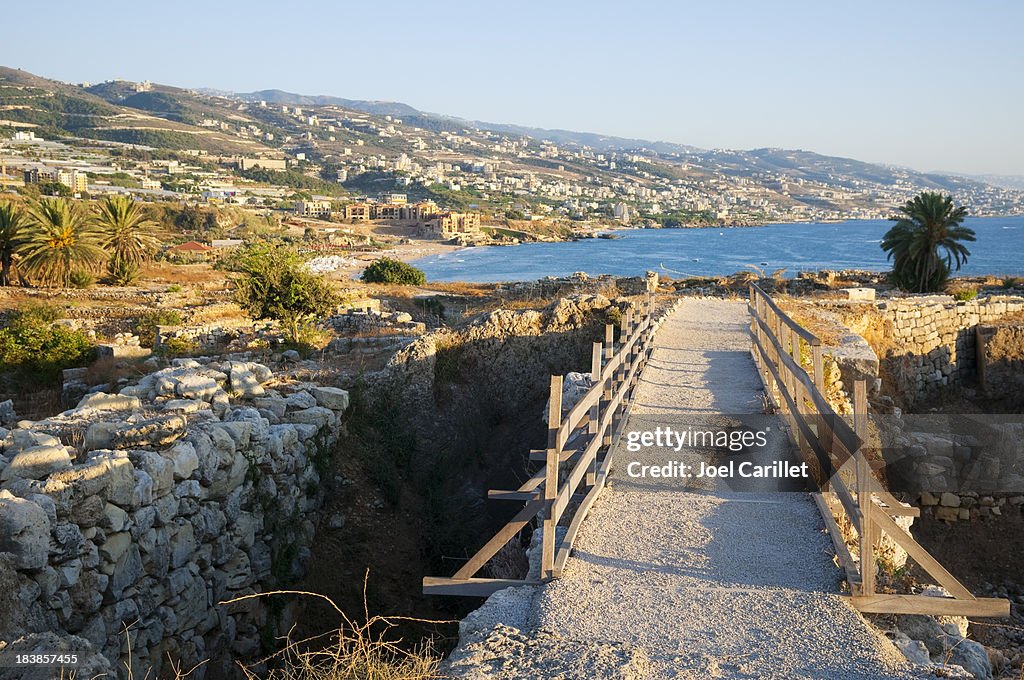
{"x": 932, "y": 339}
{"x": 143, "y": 510}
{"x": 1001, "y": 362}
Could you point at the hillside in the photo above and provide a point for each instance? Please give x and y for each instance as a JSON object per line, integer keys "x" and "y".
{"x": 335, "y": 146}
{"x": 164, "y": 118}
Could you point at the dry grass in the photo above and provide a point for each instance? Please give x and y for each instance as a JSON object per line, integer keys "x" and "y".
{"x": 352, "y": 652}
{"x": 827, "y": 330}
{"x": 181, "y": 274}
{"x": 109, "y": 370}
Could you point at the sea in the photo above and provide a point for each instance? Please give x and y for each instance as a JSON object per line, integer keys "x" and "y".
{"x": 715, "y": 251}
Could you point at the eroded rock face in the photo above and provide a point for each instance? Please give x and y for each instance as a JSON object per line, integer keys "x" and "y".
{"x": 517, "y": 349}
{"x": 179, "y": 495}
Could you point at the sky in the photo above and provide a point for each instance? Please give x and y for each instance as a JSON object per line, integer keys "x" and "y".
{"x": 927, "y": 85}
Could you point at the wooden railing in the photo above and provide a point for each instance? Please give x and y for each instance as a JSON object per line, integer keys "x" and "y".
{"x": 576, "y": 461}
{"x": 791, "y": 363}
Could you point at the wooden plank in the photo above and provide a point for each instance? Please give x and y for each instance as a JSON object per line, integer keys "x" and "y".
{"x": 931, "y": 606}
{"x": 846, "y": 560}
{"x": 784, "y": 318}
{"x": 533, "y": 482}
{"x": 501, "y": 495}
{"x": 919, "y": 554}
{"x": 470, "y": 587}
{"x": 574, "y": 526}
{"x": 507, "y": 532}
{"x": 864, "y": 503}
{"x": 551, "y": 477}
{"x": 594, "y": 417}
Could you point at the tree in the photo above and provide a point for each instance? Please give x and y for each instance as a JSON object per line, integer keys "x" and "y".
{"x": 54, "y": 189}
{"x": 35, "y": 348}
{"x": 128, "y": 235}
{"x": 925, "y": 243}
{"x": 387, "y": 270}
{"x": 59, "y": 238}
{"x": 275, "y": 284}
{"x": 12, "y": 223}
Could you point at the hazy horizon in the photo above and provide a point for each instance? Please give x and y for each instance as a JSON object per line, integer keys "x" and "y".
{"x": 928, "y": 86}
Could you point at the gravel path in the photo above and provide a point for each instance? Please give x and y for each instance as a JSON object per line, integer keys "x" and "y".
{"x": 703, "y": 580}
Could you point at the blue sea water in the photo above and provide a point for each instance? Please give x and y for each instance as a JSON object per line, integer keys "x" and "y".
{"x": 999, "y": 250}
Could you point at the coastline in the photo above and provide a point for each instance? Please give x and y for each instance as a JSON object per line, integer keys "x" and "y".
{"x": 720, "y": 251}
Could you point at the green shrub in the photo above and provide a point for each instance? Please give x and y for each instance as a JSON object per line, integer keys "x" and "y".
{"x": 174, "y": 288}
{"x": 274, "y": 284}
{"x": 145, "y": 325}
{"x": 1011, "y": 282}
{"x": 81, "y": 279}
{"x": 122, "y": 272}
{"x": 33, "y": 347}
{"x": 965, "y": 294}
{"x": 178, "y": 347}
{"x": 387, "y": 270}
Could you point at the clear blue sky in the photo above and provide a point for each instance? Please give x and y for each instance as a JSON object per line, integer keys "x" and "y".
{"x": 931, "y": 85}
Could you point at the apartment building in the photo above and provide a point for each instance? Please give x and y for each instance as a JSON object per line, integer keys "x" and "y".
{"x": 320, "y": 209}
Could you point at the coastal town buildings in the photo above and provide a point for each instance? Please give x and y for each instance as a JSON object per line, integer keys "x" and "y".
{"x": 319, "y": 209}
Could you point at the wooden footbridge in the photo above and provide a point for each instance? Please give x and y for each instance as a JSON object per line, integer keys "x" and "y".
{"x": 790, "y": 359}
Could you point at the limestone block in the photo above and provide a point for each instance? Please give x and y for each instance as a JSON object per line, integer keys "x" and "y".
{"x": 333, "y": 398}
{"x": 120, "y": 474}
{"x": 184, "y": 459}
{"x": 159, "y": 468}
{"x": 101, "y": 401}
{"x": 317, "y": 415}
{"x": 24, "y": 531}
{"x": 195, "y": 386}
{"x": 245, "y": 384}
{"x": 37, "y": 462}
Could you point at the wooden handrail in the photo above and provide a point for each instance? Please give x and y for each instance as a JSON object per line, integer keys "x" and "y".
{"x": 592, "y": 425}
{"x": 810, "y": 337}
{"x": 832, "y": 447}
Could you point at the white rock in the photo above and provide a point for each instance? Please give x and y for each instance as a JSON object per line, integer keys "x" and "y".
{"x": 37, "y": 462}
{"x": 184, "y": 459}
{"x": 193, "y": 386}
{"x": 24, "y": 531}
{"x": 101, "y": 401}
{"x": 949, "y": 500}
{"x": 117, "y": 519}
{"x": 333, "y": 398}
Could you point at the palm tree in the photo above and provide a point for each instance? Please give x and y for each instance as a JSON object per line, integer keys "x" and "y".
{"x": 127, "y": 234}
{"x": 59, "y": 238}
{"x": 12, "y": 221}
{"x": 925, "y": 242}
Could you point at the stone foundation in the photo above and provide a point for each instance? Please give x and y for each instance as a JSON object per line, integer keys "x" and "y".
{"x": 147, "y": 509}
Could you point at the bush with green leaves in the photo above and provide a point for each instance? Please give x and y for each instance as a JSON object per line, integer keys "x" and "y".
{"x": 145, "y": 325}
{"x": 34, "y": 347}
{"x": 81, "y": 279}
{"x": 387, "y": 270}
{"x": 274, "y": 283}
{"x": 172, "y": 348}
{"x": 121, "y": 271}
{"x": 965, "y": 294}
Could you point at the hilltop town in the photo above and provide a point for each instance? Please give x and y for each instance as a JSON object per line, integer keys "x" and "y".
{"x": 332, "y": 165}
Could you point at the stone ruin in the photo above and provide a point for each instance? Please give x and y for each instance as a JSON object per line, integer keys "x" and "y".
{"x": 125, "y": 521}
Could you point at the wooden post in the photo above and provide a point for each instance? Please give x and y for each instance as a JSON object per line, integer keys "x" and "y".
{"x": 595, "y": 411}
{"x": 818, "y": 369}
{"x": 551, "y": 478}
{"x": 607, "y": 385}
{"x": 866, "y": 528}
